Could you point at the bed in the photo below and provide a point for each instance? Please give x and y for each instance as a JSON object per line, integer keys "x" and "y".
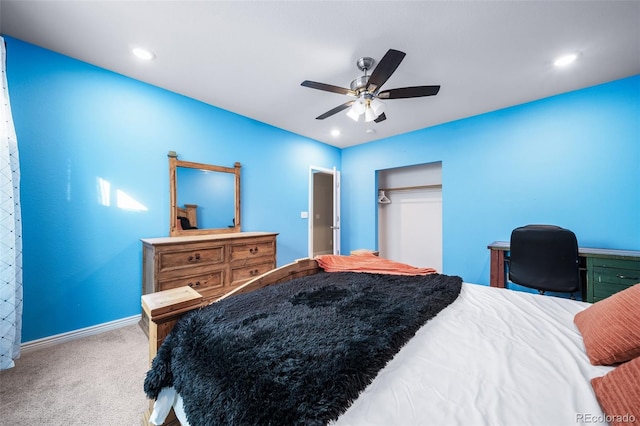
{"x": 489, "y": 356}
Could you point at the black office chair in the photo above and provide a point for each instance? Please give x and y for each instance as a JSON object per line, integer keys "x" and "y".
{"x": 185, "y": 224}
{"x": 545, "y": 258}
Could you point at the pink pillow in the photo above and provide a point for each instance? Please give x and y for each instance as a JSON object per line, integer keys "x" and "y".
{"x": 610, "y": 328}
{"x": 618, "y": 393}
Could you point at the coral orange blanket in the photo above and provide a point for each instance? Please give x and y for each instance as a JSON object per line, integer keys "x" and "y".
{"x": 368, "y": 263}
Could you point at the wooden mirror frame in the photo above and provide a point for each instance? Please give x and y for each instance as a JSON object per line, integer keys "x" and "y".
{"x": 174, "y": 163}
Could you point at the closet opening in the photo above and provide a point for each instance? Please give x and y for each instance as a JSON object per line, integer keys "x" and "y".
{"x": 410, "y": 214}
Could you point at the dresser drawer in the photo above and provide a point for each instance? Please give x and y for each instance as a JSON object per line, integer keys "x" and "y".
{"x": 190, "y": 258}
{"x": 240, "y": 275}
{"x": 619, "y": 276}
{"x": 205, "y": 283}
{"x": 253, "y": 249}
{"x": 615, "y": 263}
{"x": 602, "y": 291}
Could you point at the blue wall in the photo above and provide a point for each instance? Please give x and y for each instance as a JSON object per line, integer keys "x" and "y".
{"x": 572, "y": 160}
{"x": 77, "y": 123}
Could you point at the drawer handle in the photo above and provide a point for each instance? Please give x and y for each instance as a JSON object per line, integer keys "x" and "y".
{"x": 254, "y": 272}
{"x": 624, "y": 277}
{"x": 253, "y": 250}
{"x": 197, "y": 284}
{"x": 195, "y": 258}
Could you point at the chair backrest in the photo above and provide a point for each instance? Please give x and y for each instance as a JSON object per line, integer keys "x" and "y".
{"x": 184, "y": 223}
{"x": 544, "y": 257}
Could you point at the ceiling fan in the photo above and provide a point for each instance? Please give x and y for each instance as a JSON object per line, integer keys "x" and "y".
{"x": 366, "y": 89}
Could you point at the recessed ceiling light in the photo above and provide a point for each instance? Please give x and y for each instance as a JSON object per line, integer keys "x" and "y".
{"x": 565, "y": 60}
{"x": 335, "y": 133}
{"x": 142, "y": 53}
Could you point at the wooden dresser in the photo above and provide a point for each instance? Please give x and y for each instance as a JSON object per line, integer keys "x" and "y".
{"x": 210, "y": 264}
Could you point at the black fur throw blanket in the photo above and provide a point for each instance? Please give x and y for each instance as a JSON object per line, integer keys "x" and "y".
{"x": 294, "y": 353}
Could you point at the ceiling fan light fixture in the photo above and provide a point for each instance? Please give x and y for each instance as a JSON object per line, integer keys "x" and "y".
{"x": 359, "y": 106}
{"x": 353, "y": 114}
{"x": 377, "y": 106}
{"x": 369, "y": 115}
{"x": 357, "y": 109}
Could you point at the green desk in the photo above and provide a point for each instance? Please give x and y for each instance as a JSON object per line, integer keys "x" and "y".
{"x": 607, "y": 271}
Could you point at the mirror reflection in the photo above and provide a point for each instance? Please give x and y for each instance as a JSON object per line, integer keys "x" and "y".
{"x": 212, "y": 193}
{"x": 204, "y": 198}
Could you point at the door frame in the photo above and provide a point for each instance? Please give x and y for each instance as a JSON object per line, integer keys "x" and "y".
{"x": 336, "y": 207}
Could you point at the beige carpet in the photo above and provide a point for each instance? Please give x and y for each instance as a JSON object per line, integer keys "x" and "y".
{"x": 96, "y": 380}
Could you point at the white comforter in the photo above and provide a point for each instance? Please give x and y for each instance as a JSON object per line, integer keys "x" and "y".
{"x": 493, "y": 357}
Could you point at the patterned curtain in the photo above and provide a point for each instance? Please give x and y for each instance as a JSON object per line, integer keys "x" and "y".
{"x": 10, "y": 231}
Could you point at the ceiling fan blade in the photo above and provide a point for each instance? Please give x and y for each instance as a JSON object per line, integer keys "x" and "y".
{"x": 380, "y": 118}
{"x": 327, "y": 87}
{"x": 409, "y": 92}
{"x": 387, "y": 65}
{"x": 335, "y": 110}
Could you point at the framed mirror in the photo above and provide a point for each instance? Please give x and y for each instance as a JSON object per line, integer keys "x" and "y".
{"x": 204, "y": 198}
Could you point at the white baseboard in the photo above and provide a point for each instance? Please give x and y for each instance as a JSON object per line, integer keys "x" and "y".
{"x": 47, "y": 342}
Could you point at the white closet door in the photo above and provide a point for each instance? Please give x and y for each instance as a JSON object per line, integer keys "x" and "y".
{"x": 410, "y": 227}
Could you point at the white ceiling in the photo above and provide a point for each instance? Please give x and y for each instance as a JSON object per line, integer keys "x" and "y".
{"x": 250, "y": 57}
